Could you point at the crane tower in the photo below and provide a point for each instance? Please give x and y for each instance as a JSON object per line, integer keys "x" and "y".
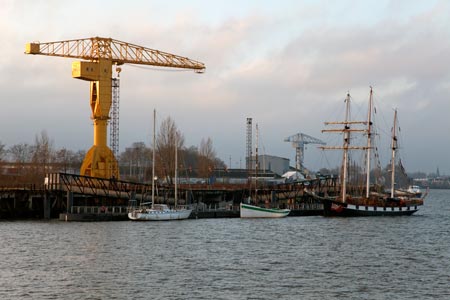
{"x": 114, "y": 118}
{"x": 299, "y": 141}
{"x": 99, "y": 55}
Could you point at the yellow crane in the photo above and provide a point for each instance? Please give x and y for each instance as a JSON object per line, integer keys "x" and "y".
{"x": 99, "y": 56}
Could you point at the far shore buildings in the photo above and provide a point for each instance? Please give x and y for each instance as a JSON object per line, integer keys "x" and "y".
{"x": 270, "y": 169}
{"x": 276, "y": 164}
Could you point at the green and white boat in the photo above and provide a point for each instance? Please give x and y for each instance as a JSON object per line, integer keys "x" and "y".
{"x": 251, "y": 211}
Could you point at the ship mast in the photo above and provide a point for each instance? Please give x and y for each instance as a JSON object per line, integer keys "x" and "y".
{"x": 346, "y": 144}
{"x": 394, "y": 149}
{"x": 369, "y": 143}
{"x": 256, "y": 162}
{"x": 176, "y": 169}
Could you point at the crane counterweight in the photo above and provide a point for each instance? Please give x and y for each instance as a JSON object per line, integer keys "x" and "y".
{"x": 32, "y": 48}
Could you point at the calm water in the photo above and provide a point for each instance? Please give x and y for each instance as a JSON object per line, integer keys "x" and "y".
{"x": 291, "y": 258}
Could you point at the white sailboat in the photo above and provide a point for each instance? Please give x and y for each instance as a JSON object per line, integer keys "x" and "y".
{"x": 161, "y": 212}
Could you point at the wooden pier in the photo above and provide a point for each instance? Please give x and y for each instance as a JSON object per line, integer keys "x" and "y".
{"x": 72, "y": 197}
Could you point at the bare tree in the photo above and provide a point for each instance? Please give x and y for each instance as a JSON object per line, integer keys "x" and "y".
{"x": 167, "y": 136}
{"x": 189, "y": 161}
{"x": 43, "y": 148}
{"x": 42, "y": 155}
{"x": 77, "y": 159}
{"x": 2, "y": 151}
{"x": 21, "y": 153}
{"x": 137, "y": 158}
{"x": 206, "y": 149}
{"x": 64, "y": 159}
{"x": 206, "y": 157}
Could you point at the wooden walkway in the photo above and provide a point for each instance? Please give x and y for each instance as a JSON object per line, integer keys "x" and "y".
{"x": 83, "y": 195}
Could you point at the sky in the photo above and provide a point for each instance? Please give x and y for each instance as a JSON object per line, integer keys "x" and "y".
{"x": 286, "y": 64}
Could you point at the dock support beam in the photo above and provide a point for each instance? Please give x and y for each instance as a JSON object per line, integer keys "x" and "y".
{"x": 47, "y": 206}
{"x": 69, "y": 202}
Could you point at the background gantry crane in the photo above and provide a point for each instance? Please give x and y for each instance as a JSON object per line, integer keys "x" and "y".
{"x": 99, "y": 56}
{"x": 299, "y": 141}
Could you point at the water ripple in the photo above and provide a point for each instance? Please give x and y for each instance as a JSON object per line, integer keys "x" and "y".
{"x": 291, "y": 258}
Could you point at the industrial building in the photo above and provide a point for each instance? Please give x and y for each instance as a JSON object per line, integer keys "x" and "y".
{"x": 276, "y": 164}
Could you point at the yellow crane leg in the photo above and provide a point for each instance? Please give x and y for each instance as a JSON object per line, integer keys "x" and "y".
{"x": 99, "y": 160}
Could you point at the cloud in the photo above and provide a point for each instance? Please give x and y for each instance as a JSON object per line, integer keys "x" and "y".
{"x": 289, "y": 70}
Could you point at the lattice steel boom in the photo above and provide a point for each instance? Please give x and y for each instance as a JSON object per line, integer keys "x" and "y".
{"x": 117, "y": 52}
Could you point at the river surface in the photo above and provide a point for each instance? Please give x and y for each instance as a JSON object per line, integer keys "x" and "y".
{"x": 292, "y": 258}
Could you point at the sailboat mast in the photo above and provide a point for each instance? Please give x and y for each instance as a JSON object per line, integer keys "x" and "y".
{"x": 369, "y": 143}
{"x": 256, "y": 162}
{"x": 176, "y": 169}
{"x": 153, "y": 158}
{"x": 394, "y": 149}
{"x": 346, "y": 145}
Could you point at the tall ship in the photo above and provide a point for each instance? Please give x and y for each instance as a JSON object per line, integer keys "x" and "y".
{"x": 366, "y": 199}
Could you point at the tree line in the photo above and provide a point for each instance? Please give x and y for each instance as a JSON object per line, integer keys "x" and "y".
{"x": 28, "y": 163}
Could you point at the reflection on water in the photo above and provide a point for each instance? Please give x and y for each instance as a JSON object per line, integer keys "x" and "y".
{"x": 290, "y": 258}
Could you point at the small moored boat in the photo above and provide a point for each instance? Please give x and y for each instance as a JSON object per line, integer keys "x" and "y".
{"x": 252, "y": 211}
{"x": 415, "y": 189}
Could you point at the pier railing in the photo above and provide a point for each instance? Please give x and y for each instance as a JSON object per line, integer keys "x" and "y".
{"x": 114, "y": 210}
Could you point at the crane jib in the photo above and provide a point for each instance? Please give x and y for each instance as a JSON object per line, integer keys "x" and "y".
{"x": 117, "y": 51}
